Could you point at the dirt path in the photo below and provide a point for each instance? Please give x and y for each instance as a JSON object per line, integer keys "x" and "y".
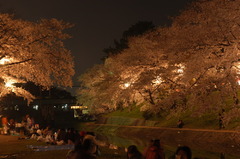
{"x": 8, "y": 138}
{"x": 182, "y": 129}
{"x": 7, "y": 142}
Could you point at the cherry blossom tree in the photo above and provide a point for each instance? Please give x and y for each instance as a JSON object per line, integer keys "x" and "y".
{"x": 205, "y": 38}
{"x": 35, "y": 52}
{"x": 183, "y": 66}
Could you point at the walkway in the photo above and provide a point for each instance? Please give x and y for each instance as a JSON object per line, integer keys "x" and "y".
{"x": 167, "y": 128}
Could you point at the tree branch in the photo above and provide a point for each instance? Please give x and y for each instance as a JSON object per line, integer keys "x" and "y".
{"x": 15, "y": 63}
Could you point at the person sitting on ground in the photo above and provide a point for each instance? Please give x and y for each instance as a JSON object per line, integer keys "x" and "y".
{"x": 36, "y": 133}
{"x": 12, "y": 127}
{"x": 92, "y": 137}
{"x": 61, "y": 137}
{"x": 77, "y": 136}
{"x": 146, "y": 148}
{"x": 81, "y": 136}
{"x": 70, "y": 136}
{"x": 45, "y": 131}
{"x": 5, "y": 125}
{"x": 40, "y": 134}
{"x": 182, "y": 152}
{"x": 75, "y": 153}
{"x": 133, "y": 153}
{"x": 155, "y": 151}
{"x": 49, "y": 139}
{"x": 82, "y": 151}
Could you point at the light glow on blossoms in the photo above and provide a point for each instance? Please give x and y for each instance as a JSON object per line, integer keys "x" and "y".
{"x": 125, "y": 85}
{"x": 5, "y": 60}
{"x": 237, "y": 67}
{"x": 9, "y": 83}
{"x": 238, "y": 81}
{"x": 180, "y": 69}
{"x": 157, "y": 81}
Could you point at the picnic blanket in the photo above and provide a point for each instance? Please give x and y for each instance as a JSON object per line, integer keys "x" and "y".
{"x": 51, "y": 147}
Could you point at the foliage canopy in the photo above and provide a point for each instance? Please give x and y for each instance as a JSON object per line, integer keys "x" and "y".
{"x": 183, "y": 66}
{"x": 35, "y": 52}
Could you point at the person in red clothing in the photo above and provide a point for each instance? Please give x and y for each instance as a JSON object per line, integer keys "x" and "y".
{"x": 154, "y": 151}
{"x": 5, "y": 124}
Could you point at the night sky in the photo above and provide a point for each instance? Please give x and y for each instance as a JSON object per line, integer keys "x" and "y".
{"x": 97, "y": 22}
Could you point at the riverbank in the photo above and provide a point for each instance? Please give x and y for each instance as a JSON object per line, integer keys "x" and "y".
{"x": 220, "y": 141}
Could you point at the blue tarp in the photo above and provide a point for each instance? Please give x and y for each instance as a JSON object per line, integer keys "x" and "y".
{"x": 51, "y": 147}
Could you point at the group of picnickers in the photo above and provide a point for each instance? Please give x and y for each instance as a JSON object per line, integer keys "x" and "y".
{"x": 12, "y": 127}
{"x": 85, "y": 144}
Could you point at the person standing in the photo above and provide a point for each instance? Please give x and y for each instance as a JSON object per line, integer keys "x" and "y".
{"x": 220, "y": 119}
{"x": 180, "y": 123}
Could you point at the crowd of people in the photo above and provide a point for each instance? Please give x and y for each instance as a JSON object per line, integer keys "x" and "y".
{"x": 62, "y": 136}
{"x": 88, "y": 148}
{"x": 156, "y": 151}
{"x": 85, "y": 144}
{"x": 12, "y": 127}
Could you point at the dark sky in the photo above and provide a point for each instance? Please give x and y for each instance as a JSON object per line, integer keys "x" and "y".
{"x": 97, "y": 22}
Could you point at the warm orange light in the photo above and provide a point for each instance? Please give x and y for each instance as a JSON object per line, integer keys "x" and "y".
{"x": 157, "y": 81}
{"x": 78, "y": 107}
{"x": 178, "y": 90}
{"x": 9, "y": 84}
{"x": 238, "y": 81}
{"x": 4, "y": 60}
{"x": 126, "y": 85}
{"x": 180, "y": 69}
